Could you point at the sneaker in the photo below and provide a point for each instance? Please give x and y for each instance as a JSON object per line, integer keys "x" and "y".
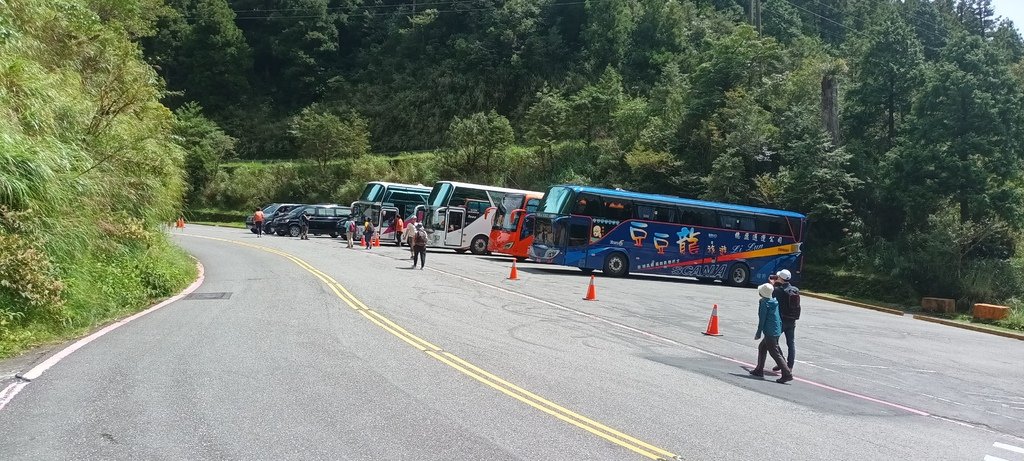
{"x": 758, "y": 373}
{"x": 784, "y": 379}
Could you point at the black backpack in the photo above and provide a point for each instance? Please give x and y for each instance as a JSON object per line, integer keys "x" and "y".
{"x": 793, "y": 295}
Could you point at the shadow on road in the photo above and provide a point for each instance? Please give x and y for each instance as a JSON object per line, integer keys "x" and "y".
{"x": 579, "y": 273}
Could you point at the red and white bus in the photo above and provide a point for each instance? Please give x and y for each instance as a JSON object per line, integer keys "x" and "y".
{"x": 460, "y": 215}
{"x": 512, "y": 232}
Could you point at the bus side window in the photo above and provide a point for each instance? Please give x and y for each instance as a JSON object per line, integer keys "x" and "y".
{"x": 474, "y": 209}
{"x": 578, "y": 235}
{"x": 617, "y": 209}
{"x": 697, "y": 217}
{"x": 771, "y": 225}
{"x": 588, "y": 205}
{"x": 729, "y": 222}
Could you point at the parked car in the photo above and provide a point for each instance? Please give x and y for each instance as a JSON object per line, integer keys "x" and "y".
{"x": 269, "y": 213}
{"x": 323, "y": 219}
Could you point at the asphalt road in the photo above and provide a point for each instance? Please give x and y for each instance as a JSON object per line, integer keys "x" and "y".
{"x": 310, "y": 350}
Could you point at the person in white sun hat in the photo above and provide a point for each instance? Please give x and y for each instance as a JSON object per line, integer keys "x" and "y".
{"x": 770, "y": 325}
{"x": 789, "y": 309}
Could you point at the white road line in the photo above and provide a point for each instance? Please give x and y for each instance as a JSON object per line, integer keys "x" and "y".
{"x": 9, "y": 392}
{"x": 1009, "y": 447}
{"x": 36, "y": 371}
{"x": 993, "y": 458}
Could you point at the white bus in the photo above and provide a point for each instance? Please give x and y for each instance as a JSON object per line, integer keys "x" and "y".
{"x": 459, "y": 216}
{"x": 381, "y": 202}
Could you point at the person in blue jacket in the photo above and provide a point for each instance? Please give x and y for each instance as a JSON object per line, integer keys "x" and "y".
{"x": 770, "y": 324}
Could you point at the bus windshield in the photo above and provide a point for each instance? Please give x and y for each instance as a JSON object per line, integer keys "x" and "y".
{"x": 372, "y": 193}
{"x": 439, "y": 195}
{"x": 505, "y": 219}
{"x": 556, "y": 200}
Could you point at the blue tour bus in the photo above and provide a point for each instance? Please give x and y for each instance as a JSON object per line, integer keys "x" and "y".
{"x": 619, "y": 232}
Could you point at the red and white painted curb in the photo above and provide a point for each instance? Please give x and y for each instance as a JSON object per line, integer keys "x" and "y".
{"x": 26, "y": 378}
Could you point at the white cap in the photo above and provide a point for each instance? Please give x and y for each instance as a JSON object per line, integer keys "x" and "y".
{"x": 765, "y": 290}
{"x": 784, "y": 275}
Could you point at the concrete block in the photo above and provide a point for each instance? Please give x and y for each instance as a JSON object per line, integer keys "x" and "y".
{"x": 990, "y": 311}
{"x": 945, "y": 306}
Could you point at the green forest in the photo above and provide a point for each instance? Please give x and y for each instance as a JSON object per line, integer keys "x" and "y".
{"x": 895, "y": 125}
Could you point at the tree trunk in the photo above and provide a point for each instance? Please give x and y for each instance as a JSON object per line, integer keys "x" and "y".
{"x": 830, "y": 106}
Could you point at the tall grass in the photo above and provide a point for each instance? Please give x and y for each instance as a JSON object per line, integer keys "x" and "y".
{"x": 88, "y": 173}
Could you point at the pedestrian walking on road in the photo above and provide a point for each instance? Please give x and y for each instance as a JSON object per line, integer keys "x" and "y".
{"x": 789, "y": 309}
{"x": 368, "y": 234}
{"x": 419, "y": 246}
{"x": 350, "y": 231}
{"x": 257, "y": 222}
{"x": 304, "y": 226}
{"x": 407, "y": 235}
{"x": 770, "y": 325}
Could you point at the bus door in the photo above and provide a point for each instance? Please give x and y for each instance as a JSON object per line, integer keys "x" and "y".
{"x": 419, "y": 213}
{"x": 454, "y": 221}
{"x": 578, "y": 240}
{"x": 387, "y": 216}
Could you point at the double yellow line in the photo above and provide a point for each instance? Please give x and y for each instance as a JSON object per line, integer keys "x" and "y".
{"x": 636, "y": 445}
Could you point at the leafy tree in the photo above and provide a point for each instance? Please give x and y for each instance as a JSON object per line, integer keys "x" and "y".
{"x": 545, "y": 123}
{"x": 966, "y": 139}
{"x": 325, "y": 137}
{"x": 202, "y": 53}
{"x": 1007, "y": 42}
{"x": 887, "y": 71}
{"x": 610, "y": 23}
{"x": 478, "y": 142}
{"x": 205, "y": 145}
{"x": 978, "y": 17}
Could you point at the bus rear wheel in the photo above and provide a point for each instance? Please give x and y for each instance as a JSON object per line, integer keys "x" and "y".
{"x": 616, "y": 265}
{"x": 739, "y": 275}
{"x": 479, "y": 245}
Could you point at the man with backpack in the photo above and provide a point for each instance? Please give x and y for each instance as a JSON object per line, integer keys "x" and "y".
{"x": 789, "y": 309}
{"x": 419, "y": 246}
{"x": 350, "y": 231}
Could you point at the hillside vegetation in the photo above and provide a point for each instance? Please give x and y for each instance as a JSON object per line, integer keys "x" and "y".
{"x": 88, "y": 170}
{"x": 895, "y": 125}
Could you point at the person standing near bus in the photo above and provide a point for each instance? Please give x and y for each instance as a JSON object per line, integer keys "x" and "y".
{"x": 789, "y": 308}
{"x": 770, "y": 325}
{"x": 419, "y": 246}
{"x": 257, "y": 222}
{"x": 368, "y": 234}
{"x": 350, "y": 231}
{"x": 399, "y": 227}
{"x": 407, "y": 235}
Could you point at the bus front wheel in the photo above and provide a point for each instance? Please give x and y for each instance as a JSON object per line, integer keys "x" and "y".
{"x": 616, "y": 265}
{"x": 479, "y": 245}
{"x": 739, "y": 275}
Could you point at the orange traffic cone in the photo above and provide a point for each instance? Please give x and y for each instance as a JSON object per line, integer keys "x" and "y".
{"x": 514, "y": 275}
{"x": 591, "y": 291}
{"x": 713, "y": 323}
{"x": 376, "y": 241}
{"x": 362, "y": 241}
{"x": 181, "y": 223}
